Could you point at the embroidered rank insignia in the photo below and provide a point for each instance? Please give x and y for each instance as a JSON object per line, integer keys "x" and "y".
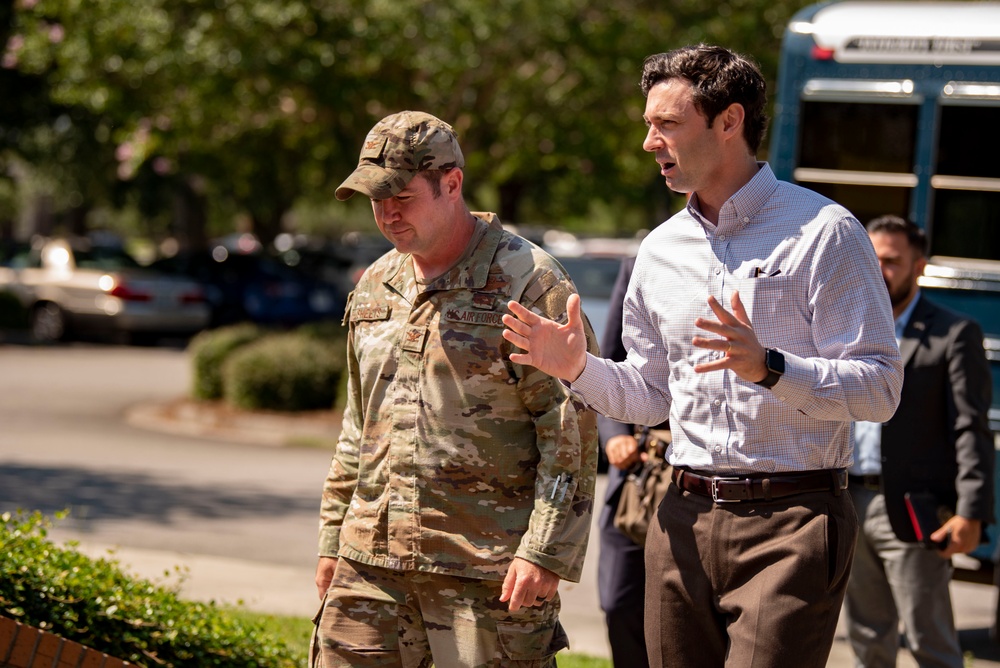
{"x": 497, "y": 283}
{"x": 414, "y": 338}
{"x": 372, "y": 150}
{"x": 482, "y": 301}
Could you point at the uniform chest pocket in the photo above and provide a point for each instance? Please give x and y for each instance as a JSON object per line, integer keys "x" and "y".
{"x": 471, "y": 340}
{"x": 374, "y": 330}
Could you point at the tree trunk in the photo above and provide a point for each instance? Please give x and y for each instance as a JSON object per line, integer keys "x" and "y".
{"x": 510, "y": 201}
{"x": 190, "y": 216}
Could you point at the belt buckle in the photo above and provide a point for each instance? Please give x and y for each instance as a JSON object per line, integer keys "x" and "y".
{"x": 715, "y": 489}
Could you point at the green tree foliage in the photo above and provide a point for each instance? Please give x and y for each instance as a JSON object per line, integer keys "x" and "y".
{"x": 253, "y": 105}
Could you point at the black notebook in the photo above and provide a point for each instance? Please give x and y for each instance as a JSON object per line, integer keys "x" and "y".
{"x": 926, "y": 516}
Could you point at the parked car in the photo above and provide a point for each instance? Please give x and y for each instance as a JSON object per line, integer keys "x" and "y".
{"x": 256, "y": 288}
{"x": 323, "y": 259}
{"x": 73, "y": 286}
{"x": 362, "y": 250}
{"x": 594, "y": 277}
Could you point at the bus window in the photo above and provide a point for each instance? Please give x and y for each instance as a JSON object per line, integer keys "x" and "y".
{"x": 966, "y": 223}
{"x": 858, "y": 136}
{"x": 968, "y": 143}
{"x": 859, "y": 153}
{"x": 864, "y": 201}
{"x": 965, "y": 219}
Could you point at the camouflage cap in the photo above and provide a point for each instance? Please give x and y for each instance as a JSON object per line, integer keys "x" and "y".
{"x": 399, "y": 146}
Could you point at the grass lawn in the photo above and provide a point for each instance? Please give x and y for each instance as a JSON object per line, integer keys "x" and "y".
{"x": 295, "y": 632}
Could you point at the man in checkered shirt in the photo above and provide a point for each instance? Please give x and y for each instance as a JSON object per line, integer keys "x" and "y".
{"x": 757, "y": 320}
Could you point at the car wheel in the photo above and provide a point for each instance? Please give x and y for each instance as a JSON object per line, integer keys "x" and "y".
{"x": 48, "y": 324}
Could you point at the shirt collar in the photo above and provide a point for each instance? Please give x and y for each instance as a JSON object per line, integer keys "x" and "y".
{"x": 742, "y": 207}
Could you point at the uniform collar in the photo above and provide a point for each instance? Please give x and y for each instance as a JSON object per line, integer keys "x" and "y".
{"x": 470, "y": 273}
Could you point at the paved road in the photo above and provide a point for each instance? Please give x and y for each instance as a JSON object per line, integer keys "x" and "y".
{"x": 223, "y": 514}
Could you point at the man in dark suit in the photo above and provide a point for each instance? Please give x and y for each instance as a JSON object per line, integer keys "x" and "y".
{"x": 621, "y": 570}
{"x": 937, "y": 450}
{"x": 621, "y": 566}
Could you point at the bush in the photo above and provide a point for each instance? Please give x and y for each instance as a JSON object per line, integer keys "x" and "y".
{"x": 325, "y": 331}
{"x": 93, "y": 602}
{"x": 209, "y": 350}
{"x": 284, "y": 372}
{"x": 13, "y": 315}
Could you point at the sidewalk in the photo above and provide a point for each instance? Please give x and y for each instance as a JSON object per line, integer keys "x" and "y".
{"x": 289, "y": 591}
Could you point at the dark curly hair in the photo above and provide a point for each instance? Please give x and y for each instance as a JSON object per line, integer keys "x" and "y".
{"x": 891, "y": 224}
{"x": 719, "y": 77}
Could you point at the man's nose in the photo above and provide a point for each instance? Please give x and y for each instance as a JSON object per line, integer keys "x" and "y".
{"x": 390, "y": 209}
{"x": 653, "y": 140}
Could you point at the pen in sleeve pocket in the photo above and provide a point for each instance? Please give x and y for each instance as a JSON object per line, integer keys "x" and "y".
{"x": 555, "y": 486}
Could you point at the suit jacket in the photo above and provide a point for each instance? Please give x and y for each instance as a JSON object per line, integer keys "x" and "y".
{"x": 613, "y": 349}
{"x": 939, "y": 439}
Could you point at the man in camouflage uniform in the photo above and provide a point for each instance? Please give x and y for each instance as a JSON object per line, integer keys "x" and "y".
{"x": 462, "y": 487}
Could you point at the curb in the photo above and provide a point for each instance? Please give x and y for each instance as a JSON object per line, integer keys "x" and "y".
{"x": 27, "y": 647}
{"x": 216, "y": 420}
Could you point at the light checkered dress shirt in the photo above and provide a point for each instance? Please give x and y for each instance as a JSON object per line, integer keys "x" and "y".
{"x": 809, "y": 279}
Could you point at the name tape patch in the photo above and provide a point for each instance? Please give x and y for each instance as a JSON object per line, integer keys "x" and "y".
{"x": 369, "y": 312}
{"x": 474, "y": 317}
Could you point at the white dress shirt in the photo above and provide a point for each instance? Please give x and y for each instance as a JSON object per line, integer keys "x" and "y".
{"x": 809, "y": 279}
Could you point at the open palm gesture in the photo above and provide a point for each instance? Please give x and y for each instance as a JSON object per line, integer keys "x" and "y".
{"x": 558, "y": 350}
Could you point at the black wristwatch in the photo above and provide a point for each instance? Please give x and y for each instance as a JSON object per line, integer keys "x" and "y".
{"x": 775, "y": 363}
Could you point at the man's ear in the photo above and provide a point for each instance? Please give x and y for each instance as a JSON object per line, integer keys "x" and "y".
{"x": 732, "y": 118}
{"x": 451, "y": 182}
{"x": 919, "y": 265}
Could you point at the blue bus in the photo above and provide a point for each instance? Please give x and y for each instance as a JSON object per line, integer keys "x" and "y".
{"x": 894, "y": 107}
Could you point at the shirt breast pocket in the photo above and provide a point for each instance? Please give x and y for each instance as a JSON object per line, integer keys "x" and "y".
{"x": 768, "y": 300}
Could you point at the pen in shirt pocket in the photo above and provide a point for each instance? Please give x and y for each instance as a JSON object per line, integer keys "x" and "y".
{"x": 758, "y": 272}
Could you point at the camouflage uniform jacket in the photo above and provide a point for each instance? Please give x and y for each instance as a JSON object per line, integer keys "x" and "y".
{"x": 452, "y": 459}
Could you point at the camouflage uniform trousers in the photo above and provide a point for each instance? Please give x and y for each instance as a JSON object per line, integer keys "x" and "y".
{"x": 381, "y": 618}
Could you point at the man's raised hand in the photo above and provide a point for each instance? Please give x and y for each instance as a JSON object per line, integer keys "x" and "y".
{"x": 558, "y": 350}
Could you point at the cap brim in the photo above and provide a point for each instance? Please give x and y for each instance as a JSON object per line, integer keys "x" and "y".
{"x": 375, "y": 181}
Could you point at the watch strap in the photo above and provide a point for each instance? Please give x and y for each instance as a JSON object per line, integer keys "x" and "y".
{"x": 775, "y": 363}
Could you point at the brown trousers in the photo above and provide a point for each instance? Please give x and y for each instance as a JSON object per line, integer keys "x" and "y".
{"x": 747, "y": 585}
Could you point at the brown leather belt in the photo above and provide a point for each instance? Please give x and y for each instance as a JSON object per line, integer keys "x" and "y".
{"x": 729, "y": 489}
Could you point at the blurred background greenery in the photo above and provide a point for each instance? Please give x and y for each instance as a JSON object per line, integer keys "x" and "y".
{"x": 183, "y": 120}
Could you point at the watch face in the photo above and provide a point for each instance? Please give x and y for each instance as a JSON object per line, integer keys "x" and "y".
{"x": 775, "y": 361}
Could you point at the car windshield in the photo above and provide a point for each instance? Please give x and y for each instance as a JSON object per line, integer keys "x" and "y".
{"x": 593, "y": 276}
{"x": 105, "y": 258}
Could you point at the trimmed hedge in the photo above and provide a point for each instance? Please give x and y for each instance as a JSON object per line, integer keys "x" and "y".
{"x": 327, "y": 331}
{"x": 284, "y": 372}
{"x": 93, "y": 602}
{"x": 209, "y": 349}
